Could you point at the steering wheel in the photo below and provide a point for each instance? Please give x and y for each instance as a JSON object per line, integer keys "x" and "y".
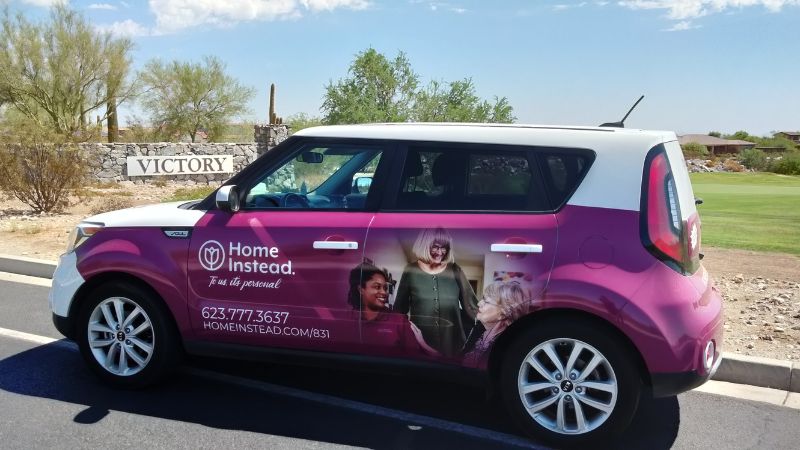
{"x": 292, "y": 200}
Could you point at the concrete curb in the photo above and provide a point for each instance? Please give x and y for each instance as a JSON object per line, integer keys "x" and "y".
{"x": 31, "y": 267}
{"x": 758, "y": 371}
{"x": 734, "y": 368}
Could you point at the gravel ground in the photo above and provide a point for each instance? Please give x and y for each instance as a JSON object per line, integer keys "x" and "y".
{"x": 762, "y": 316}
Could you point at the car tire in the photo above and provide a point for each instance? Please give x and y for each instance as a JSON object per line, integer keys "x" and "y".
{"x": 562, "y": 402}
{"x": 139, "y": 351}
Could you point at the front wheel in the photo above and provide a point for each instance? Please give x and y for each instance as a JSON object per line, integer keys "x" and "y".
{"x": 126, "y": 337}
{"x": 569, "y": 383}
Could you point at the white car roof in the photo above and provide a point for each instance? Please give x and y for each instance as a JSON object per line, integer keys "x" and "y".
{"x": 518, "y": 134}
{"x": 613, "y": 182}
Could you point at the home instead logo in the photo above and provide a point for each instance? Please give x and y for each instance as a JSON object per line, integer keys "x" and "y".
{"x": 211, "y": 255}
{"x": 243, "y": 258}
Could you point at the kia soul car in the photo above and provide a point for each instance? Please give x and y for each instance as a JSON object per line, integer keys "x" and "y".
{"x": 559, "y": 265}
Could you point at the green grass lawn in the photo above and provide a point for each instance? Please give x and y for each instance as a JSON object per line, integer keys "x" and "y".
{"x": 754, "y": 211}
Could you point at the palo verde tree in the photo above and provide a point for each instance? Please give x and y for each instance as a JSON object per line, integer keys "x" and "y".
{"x": 378, "y": 89}
{"x": 185, "y": 97}
{"x": 458, "y": 102}
{"x": 60, "y": 72}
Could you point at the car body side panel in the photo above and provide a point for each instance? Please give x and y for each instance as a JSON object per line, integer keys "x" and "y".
{"x": 147, "y": 254}
{"x": 601, "y": 268}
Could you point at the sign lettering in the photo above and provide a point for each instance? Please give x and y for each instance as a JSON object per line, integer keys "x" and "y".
{"x": 139, "y": 166}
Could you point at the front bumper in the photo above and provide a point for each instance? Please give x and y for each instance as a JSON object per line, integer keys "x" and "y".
{"x": 669, "y": 384}
{"x": 66, "y": 282}
{"x": 64, "y": 326}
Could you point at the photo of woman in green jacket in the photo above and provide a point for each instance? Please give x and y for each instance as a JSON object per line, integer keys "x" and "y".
{"x": 435, "y": 293}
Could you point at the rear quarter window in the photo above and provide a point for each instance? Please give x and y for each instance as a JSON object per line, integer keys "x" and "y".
{"x": 563, "y": 172}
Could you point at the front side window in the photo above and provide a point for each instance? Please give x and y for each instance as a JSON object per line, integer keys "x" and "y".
{"x": 318, "y": 177}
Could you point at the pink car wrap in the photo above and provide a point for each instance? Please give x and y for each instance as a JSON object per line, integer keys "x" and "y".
{"x": 560, "y": 264}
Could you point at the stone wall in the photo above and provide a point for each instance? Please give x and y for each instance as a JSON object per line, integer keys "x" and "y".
{"x": 109, "y": 161}
{"x": 268, "y": 136}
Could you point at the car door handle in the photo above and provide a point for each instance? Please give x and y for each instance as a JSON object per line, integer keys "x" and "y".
{"x": 335, "y": 245}
{"x": 517, "y": 248}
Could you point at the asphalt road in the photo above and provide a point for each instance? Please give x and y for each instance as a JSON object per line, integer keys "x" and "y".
{"x": 49, "y": 399}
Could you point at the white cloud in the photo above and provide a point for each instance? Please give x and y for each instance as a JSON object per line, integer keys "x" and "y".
{"x": 682, "y": 26}
{"x": 43, "y": 3}
{"x": 692, "y": 9}
{"x": 564, "y": 6}
{"x": 127, "y": 28}
{"x": 102, "y": 6}
{"x": 174, "y": 15}
{"x": 440, "y": 6}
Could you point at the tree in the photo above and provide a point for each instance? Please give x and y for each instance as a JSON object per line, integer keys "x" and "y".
{"x": 459, "y": 103}
{"x": 302, "y": 120}
{"x": 56, "y": 73}
{"x": 185, "y": 97}
{"x": 694, "y": 150}
{"x": 39, "y": 167}
{"x": 715, "y": 134}
{"x": 742, "y": 136}
{"x": 377, "y": 89}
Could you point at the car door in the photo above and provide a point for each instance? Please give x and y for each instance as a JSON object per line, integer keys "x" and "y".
{"x": 457, "y": 220}
{"x": 276, "y": 272}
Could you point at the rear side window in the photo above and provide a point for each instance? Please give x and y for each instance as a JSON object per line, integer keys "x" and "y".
{"x": 499, "y": 175}
{"x": 563, "y": 172}
{"x": 474, "y": 179}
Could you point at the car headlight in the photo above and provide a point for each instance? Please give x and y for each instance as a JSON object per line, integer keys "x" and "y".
{"x": 82, "y": 233}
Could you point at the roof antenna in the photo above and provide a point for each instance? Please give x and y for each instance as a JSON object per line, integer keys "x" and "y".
{"x": 621, "y": 123}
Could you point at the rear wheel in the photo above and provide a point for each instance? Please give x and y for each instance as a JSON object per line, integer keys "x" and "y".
{"x": 569, "y": 383}
{"x": 126, "y": 337}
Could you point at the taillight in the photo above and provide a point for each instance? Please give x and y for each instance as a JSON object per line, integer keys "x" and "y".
{"x": 692, "y": 242}
{"x": 663, "y": 233}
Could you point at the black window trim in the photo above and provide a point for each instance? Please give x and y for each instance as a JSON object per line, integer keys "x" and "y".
{"x": 534, "y": 154}
{"x": 390, "y": 168}
{"x": 590, "y": 155}
{"x": 251, "y": 174}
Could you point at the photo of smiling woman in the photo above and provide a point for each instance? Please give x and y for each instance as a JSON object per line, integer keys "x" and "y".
{"x": 434, "y": 292}
{"x": 380, "y": 327}
{"x": 501, "y": 305}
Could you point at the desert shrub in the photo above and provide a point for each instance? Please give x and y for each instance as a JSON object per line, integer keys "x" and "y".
{"x": 694, "y": 150}
{"x": 731, "y": 165}
{"x": 40, "y": 174}
{"x": 789, "y": 164}
{"x": 110, "y": 203}
{"x": 186, "y": 194}
{"x": 753, "y": 158}
{"x": 106, "y": 185}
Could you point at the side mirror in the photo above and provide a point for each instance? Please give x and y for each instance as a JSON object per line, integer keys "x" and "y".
{"x": 310, "y": 157}
{"x": 227, "y": 198}
{"x": 361, "y": 185}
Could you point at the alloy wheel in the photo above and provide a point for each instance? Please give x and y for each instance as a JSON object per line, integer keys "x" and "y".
{"x": 567, "y": 386}
{"x": 120, "y": 336}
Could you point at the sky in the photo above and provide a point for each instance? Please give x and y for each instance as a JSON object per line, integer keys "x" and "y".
{"x": 703, "y": 65}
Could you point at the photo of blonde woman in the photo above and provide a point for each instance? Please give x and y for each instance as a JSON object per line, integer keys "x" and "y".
{"x": 435, "y": 293}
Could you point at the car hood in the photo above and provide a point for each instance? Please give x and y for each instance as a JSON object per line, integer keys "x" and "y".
{"x": 158, "y": 215}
